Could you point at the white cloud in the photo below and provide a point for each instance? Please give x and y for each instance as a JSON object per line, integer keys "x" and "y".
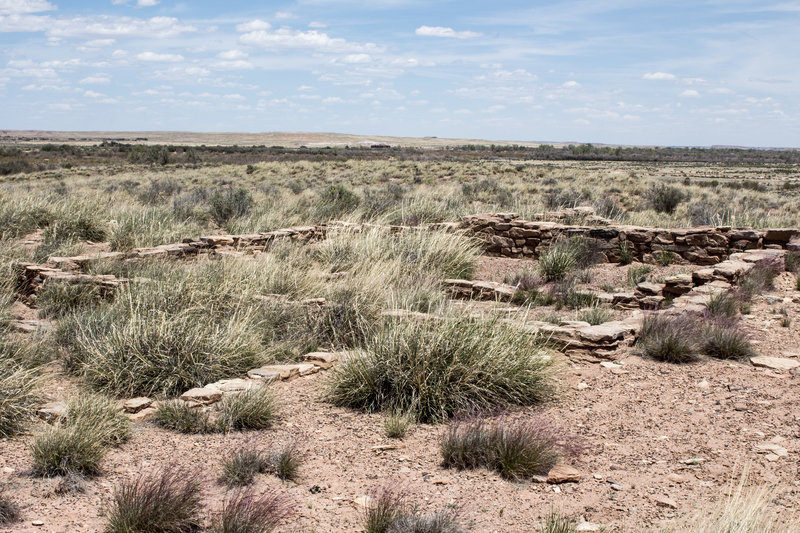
{"x": 721, "y": 90}
{"x": 285, "y": 38}
{"x": 95, "y": 26}
{"x": 239, "y": 64}
{"x": 96, "y": 79}
{"x": 315, "y": 24}
{"x": 333, "y": 100}
{"x": 146, "y": 3}
{"x": 237, "y": 97}
{"x": 441, "y": 31}
{"x": 285, "y": 15}
{"x": 689, "y": 93}
{"x": 571, "y": 84}
{"x": 253, "y": 25}
{"x": 99, "y": 43}
{"x": 18, "y": 7}
{"x": 357, "y": 58}
{"x": 232, "y": 54}
{"x": 152, "y": 56}
{"x": 659, "y": 76}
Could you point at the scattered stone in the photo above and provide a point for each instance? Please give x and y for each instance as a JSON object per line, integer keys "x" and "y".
{"x": 37, "y": 523}
{"x": 52, "y": 411}
{"x": 134, "y": 405}
{"x": 693, "y": 461}
{"x": 144, "y": 414}
{"x": 677, "y": 478}
{"x": 264, "y": 374}
{"x": 770, "y": 448}
{"x": 704, "y": 385}
{"x": 582, "y": 386}
{"x": 323, "y": 360}
{"x": 203, "y": 396}
{"x": 562, "y": 473}
{"x": 774, "y": 363}
{"x": 663, "y": 501}
{"x": 588, "y": 527}
{"x": 384, "y": 447}
{"x": 234, "y": 386}
{"x": 617, "y": 487}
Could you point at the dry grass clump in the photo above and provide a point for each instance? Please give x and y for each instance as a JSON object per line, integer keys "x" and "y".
{"x": 669, "y": 338}
{"x": 596, "y": 315}
{"x": 560, "y": 258}
{"x": 97, "y": 414}
{"x": 247, "y": 512}
{"x": 559, "y": 523}
{"x": 388, "y": 511}
{"x": 180, "y": 416}
{"x": 761, "y": 278}
{"x": 396, "y": 425}
{"x": 167, "y": 501}
{"x": 254, "y": 408}
{"x": 724, "y": 304}
{"x": 436, "y": 367}
{"x": 19, "y": 392}
{"x": 722, "y": 339}
{"x": 638, "y": 274}
{"x": 241, "y": 467}
{"x": 515, "y": 449}
{"x": 9, "y": 512}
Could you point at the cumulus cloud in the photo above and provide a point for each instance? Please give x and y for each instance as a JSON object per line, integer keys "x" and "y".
{"x": 571, "y": 84}
{"x": 153, "y": 56}
{"x": 285, "y": 15}
{"x": 253, "y": 25}
{"x": 232, "y": 54}
{"x": 18, "y": 7}
{"x": 689, "y": 93}
{"x": 105, "y": 26}
{"x": 659, "y": 76}
{"x": 139, "y": 3}
{"x": 286, "y": 38}
{"x": 441, "y": 31}
{"x": 357, "y": 58}
{"x": 316, "y": 24}
{"x": 96, "y": 79}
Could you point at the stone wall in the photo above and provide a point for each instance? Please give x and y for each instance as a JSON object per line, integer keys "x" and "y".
{"x": 507, "y": 235}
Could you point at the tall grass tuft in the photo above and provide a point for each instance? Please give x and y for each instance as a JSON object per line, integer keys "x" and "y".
{"x": 66, "y": 449}
{"x": 560, "y": 258}
{"x": 163, "y": 502}
{"x": 436, "y": 367}
{"x": 723, "y": 339}
{"x": 669, "y": 338}
{"x": 252, "y": 409}
{"x": 177, "y": 415}
{"x": 9, "y": 512}
{"x": 97, "y": 414}
{"x": 246, "y": 512}
{"x": 19, "y": 393}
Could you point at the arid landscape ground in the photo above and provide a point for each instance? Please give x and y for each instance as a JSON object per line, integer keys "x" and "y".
{"x": 628, "y": 329}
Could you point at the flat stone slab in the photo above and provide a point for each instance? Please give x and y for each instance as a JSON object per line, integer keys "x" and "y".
{"x": 134, "y": 405}
{"x": 265, "y": 374}
{"x": 562, "y": 473}
{"x": 775, "y": 363}
{"x": 287, "y": 372}
{"x": 602, "y": 333}
{"x": 233, "y": 386}
{"x": 202, "y": 395}
{"x": 323, "y": 360}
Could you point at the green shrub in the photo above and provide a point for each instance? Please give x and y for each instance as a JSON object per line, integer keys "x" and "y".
{"x": 664, "y": 258}
{"x": 98, "y": 415}
{"x": 252, "y": 409}
{"x": 241, "y": 467}
{"x": 596, "y": 315}
{"x": 560, "y": 258}
{"x": 64, "y": 449}
{"x": 627, "y": 253}
{"x": 436, "y": 367}
{"x": 664, "y": 198}
{"x": 19, "y": 393}
{"x": 723, "y": 304}
{"x": 56, "y": 300}
{"x": 246, "y": 512}
{"x": 669, "y": 338}
{"x": 638, "y": 274}
{"x": 435, "y": 522}
{"x": 792, "y": 262}
{"x": 165, "y": 502}
{"x": 396, "y": 425}
{"x": 285, "y": 462}
{"x": 335, "y": 201}
{"x": 761, "y": 278}
{"x": 229, "y": 204}
{"x": 724, "y": 340}
{"x": 558, "y": 523}
{"x": 388, "y": 511}
{"x": 515, "y": 449}
{"x": 177, "y": 415}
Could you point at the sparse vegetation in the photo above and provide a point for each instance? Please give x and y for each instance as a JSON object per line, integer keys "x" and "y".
{"x": 396, "y": 425}
{"x": 388, "y": 511}
{"x": 559, "y": 259}
{"x": 181, "y": 416}
{"x": 515, "y": 449}
{"x": 559, "y": 523}
{"x": 9, "y": 512}
{"x": 18, "y": 393}
{"x": 723, "y": 304}
{"x": 241, "y": 467}
{"x": 434, "y": 368}
{"x": 248, "y": 512}
{"x": 665, "y": 198}
{"x": 638, "y": 274}
{"x": 65, "y": 449}
{"x": 669, "y": 338}
{"x": 251, "y": 409}
{"x": 724, "y": 339}
{"x": 167, "y": 501}
{"x": 596, "y": 315}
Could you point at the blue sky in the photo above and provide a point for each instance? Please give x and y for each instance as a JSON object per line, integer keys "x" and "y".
{"x": 604, "y": 71}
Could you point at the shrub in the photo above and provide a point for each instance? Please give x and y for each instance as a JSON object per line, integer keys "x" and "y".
{"x": 723, "y": 304}
{"x": 384, "y": 506}
{"x": 284, "y": 462}
{"x": 252, "y": 409}
{"x": 56, "y": 300}
{"x": 96, "y": 414}
{"x": 435, "y": 522}
{"x": 433, "y": 368}
{"x": 180, "y": 416}
{"x": 561, "y": 257}
{"x": 241, "y": 467}
{"x": 515, "y": 449}
{"x": 761, "y": 278}
{"x": 664, "y": 258}
{"x": 528, "y": 286}
{"x": 396, "y": 425}
{"x": 19, "y": 394}
{"x": 246, "y": 512}
{"x": 335, "y": 201}
{"x": 164, "y": 502}
{"x": 792, "y": 262}
{"x": 9, "y": 512}
{"x": 638, "y": 274}
{"x": 558, "y": 523}
{"x": 724, "y": 340}
{"x": 229, "y": 204}
{"x": 627, "y": 253}
{"x": 596, "y": 315}
{"x": 669, "y": 338}
{"x": 664, "y": 198}
{"x": 66, "y": 449}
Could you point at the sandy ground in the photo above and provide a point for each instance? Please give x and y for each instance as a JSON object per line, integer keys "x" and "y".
{"x": 651, "y": 429}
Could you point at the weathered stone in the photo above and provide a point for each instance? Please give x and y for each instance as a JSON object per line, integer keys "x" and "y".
{"x": 650, "y": 289}
{"x": 204, "y": 395}
{"x": 144, "y": 414}
{"x": 52, "y": 411}
{"x": 265, "y": 374}
{"x": 780, "y": 235}
{"x": 602, "y": 333}
{"x": 562, "y": 473}
{"x": 775, "y": 363}
{"x": 233, "y": 386}
{"x": 322, "y": 359}
{"x": 134, "y": 405}
{"x": 663, "y": 501}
